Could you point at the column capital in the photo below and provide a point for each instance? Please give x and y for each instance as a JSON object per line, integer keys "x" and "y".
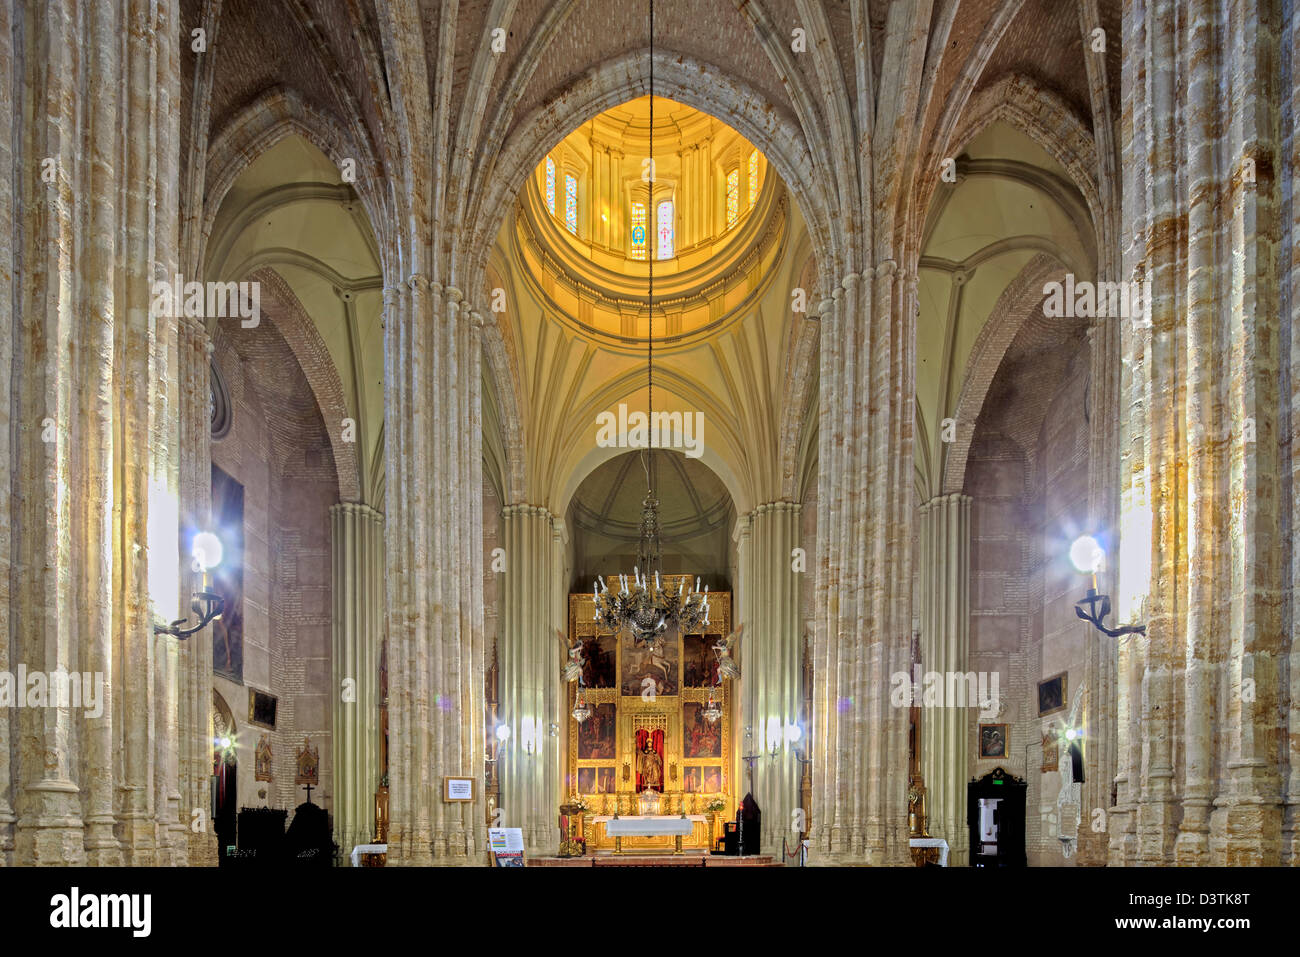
{"x": 357, "y": 508}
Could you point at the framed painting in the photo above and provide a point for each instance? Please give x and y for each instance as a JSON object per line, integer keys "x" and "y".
{"x": 228, "y": 577}
{"x": 700, "y": 738}
{"x": 596, "y": 781}
{"x": 599, "y": 656}
{"x": 693, "y": 780}
{"x": 596, "y": 735}
{"x": 650, "y": 668}
{"x": 712, "y": 779}
{"x": 993, "y": 741}
{"x": 1051, "y": 694}
{"x": 699, "y": 663}
{"x": 261, "y": 709}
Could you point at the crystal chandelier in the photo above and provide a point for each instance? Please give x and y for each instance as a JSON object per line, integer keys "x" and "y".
{"x": 642, "y": 605}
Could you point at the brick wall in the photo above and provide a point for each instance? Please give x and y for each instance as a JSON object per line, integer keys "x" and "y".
{"x": 278, "y": 450}
{"x": 1027, "y": 475}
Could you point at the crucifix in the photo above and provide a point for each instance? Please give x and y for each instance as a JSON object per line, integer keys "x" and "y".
{"x": 750, "y": 758}
{"x": 308, "y": 787}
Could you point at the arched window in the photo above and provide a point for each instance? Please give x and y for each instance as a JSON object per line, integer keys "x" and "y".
{"x": 550, "y": 185}
{"x": 753, "y": 177}
{"x": 638, "y": 231}
{"x": 664, "y": 215}
{"x": 571, "y": 203}
{"x": 733, "y": 197}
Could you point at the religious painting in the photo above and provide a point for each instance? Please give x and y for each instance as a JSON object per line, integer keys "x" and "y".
{"x": 308, "y": 764}
{"x": 262, "y": 760}
{"x": 647, "y": 668}
{"x": 712, "y": 780}
{"x": 699, "y": 663}
{"x": 993, "y": 741}
{"x": 649, "y": 760}
{"x": 598, "y": 658}
{"x": 700, "y": 738}
{"x": 1051, "y": 695}
{"x": 1051, "y": 753}
{"x": 595, "y": 780}
{"x": 596, "y": 734}
{"x": 693, "y": 780}
{"x": 261, "y": 709}
{"x": 227, "y": 579}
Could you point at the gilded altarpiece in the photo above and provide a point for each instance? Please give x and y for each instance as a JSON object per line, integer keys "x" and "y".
{"x": 642, "y": 699}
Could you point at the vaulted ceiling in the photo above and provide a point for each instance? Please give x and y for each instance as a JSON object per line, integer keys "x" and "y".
{"x": 329, "y": 73}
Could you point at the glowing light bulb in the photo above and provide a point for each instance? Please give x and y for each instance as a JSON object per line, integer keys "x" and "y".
{"x": 1086, "y": 555}
{"x": 206, "y": 550}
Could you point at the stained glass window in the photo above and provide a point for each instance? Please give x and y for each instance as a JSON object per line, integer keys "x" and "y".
{"x": 665, "y": 224}
{"x": 733, "y": 197}
{"x": 638, "y": 230}
{"x": 550, "y": 185}
{"x": 571, "y": 203}
{"x": 753, "y": 177}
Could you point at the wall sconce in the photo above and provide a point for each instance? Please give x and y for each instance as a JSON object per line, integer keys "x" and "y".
{"x": 206, "y": 604}
{"x": 1088, "y": 558}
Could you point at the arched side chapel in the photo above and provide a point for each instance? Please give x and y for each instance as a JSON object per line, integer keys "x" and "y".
{"x": 434, "y": 354}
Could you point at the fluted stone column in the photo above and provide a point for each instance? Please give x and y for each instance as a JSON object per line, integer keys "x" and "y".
{"x": 1201, "y": 696}
{"x": 434, "y": 571}
{"x": 531, "y": 697}
{"x": 1290, "y": 345}
{"x": 95, "y": 402}
{"x": 771, "y": 652}
{"x": 944, "y": 607}
{"x": 357, "y": 587}
{"x": 864, "y": 544}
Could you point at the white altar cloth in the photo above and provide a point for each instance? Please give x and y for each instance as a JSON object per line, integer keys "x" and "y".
{"x": 933, "y": 842}
{"x": 637, "y": 826}
{"x": 366, "y": 849}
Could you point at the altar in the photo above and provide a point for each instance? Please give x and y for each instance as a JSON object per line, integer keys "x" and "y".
{"x": 652, "y": 826}
{"x": 658, "y": 719}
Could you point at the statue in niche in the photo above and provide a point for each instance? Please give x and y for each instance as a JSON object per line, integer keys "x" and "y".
{"x": 651, "y": 768}
{"x": 262, "y": 760}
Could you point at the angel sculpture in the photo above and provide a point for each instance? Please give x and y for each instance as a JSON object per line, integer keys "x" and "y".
{"x": 727, "y": 667}
{"x": 573, "y": 652}
{"x": 1069, "y": 798}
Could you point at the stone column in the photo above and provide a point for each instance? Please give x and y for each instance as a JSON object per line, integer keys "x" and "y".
{"x": 434, "y": 571}
{"x": 1290, "y": 346}
{"x": 531, "y": 696}
{"x": 357, "y": 587}
{"x": 93, "y": 506}
{"x": 944, "y": 608}
{"x": 864, "y": 543}
{"x": 771, "y": 655}
{"x": 1201, "y": 696}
